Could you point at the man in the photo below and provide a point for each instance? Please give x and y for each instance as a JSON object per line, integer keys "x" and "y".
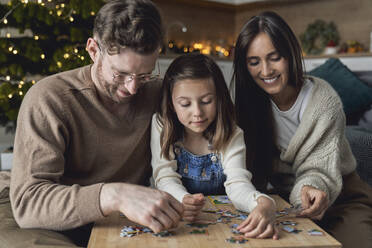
{"x": 82, "y": 139}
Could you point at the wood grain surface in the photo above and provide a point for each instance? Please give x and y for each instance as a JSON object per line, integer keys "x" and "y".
{"x": 106, "y": 233}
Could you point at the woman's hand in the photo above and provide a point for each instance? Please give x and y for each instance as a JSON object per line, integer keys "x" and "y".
{"x": 261, "y": 221}
{"x": 314, "y": 202}
{"x": 192, "y": 205}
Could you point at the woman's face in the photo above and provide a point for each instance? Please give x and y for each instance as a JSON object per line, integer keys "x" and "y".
{"x": 266, "y": 66}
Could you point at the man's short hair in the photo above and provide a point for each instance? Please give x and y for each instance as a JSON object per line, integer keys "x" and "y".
{"x": 129, "y": 23}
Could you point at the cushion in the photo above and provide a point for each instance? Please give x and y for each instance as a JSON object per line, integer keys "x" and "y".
{"x": 365, "y": 76}
{"x": 366, "y": 121}
{"x": 354, "y": 93}
{"x": 361, "y": 144}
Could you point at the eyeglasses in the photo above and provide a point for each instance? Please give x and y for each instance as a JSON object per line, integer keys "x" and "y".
{"x": 125, "y": 77}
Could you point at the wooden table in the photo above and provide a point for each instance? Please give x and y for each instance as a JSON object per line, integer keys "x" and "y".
{"x": 106, "y": 233}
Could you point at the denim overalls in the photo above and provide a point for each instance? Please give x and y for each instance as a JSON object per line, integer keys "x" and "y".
{"x": 200, "y": 174}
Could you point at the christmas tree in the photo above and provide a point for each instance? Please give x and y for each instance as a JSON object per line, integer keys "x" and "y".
{"x": 39, "y": 38}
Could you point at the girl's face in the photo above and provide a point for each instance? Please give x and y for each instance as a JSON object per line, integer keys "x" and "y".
{"x": 266, "y": 66}
{"x": 194, "y": 101}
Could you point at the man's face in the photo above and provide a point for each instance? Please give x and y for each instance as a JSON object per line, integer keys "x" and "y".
{"x": 120, "y": 75}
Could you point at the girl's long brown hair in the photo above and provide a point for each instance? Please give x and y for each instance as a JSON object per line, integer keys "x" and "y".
{"x": 195, "y": 66}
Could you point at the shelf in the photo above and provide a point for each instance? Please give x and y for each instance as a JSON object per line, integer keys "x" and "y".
{"x": 338, "y": 55}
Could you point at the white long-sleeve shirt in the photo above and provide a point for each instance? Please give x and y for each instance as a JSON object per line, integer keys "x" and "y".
{"x": 238, "y": 184}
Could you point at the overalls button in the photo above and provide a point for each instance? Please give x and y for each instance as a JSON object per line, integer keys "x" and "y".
{"x": 214, "y": 159}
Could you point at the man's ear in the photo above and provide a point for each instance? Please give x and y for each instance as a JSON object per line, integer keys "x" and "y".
{"x": 93, "y": 49}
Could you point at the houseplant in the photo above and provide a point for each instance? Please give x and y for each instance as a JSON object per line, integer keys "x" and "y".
{"x": 318, "y": 35}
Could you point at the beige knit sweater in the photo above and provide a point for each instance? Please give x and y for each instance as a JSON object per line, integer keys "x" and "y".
{"x": 318, "y": 154}
{"x": 68, "y": 144}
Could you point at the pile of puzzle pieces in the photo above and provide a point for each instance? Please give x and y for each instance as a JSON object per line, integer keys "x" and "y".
{"x": 225, "y": 218}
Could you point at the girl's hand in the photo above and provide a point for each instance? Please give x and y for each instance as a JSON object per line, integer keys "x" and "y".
{"x": 192, "y": 205}
{"x": 261, "y": 221}
{"x": 314, "y": 202}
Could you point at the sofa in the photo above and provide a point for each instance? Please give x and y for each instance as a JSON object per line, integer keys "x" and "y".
{"x": 355, "y": 90}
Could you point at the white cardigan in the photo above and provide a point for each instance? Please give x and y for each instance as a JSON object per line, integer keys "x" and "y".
{"x": 318, "y": 154}
{"x": 238, "y": 184}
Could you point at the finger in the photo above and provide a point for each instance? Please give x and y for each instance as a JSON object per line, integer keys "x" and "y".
{"x": 276, "y": 233}
{"x": 244, "y": 223}
{"x": 193, "y": 200}
{"x": 188, "y": 207}
{"x": 173, "y": 215}
{"x": 155, "y": 225}
{"x": 191, "y": 218}
{"x": 305, "y": 199}
{"x": 199, "y": 197}
{"x": 254, "y": 232}
{"x": 190, "y": 213}
{"x": 176, "y": 205}
{"x": 319, "y": 216}
{"x": 163, "y": 216}
{"x": 253, "y": 225}
{"x": 267, "y": 233}
{"x": 315, "y": 209}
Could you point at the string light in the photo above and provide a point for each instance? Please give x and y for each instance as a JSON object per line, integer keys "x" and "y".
{"x": 5, "y": 21}
{"x": 66, "y": 55}
{"x": 59, "y": 12}
{"x": 20, "y": 86}
{"x": 36, "y": 37}
{"x": 59, "y": 64}
{"x": 39, "y": 1}
{"x": 82, "y": 58}
{"x": 20, "y": 93}
{"x": 33, "y": 81}
{"x": 15, "y": 51}
{"x": 8, "y": 35}
{"x": 42, "y": 56}
{"x": 10, "y": 48}
{"x": 50, "y": 12}
{"x": 92, "y": 13}
{"x": 21, "y": 82}
{"x": 71, "y": 19}
{"x": 62, "y": 5}
{"x": 57, "y": 6}
{"x": 76, "y": 50}
{"x": 7, "y": 78}
{"x": 10, "y": 96}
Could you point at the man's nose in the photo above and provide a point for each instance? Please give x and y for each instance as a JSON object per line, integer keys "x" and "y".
{"x": 133, "y": 85}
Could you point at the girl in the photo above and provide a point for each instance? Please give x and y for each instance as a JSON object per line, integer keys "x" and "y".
{"x": 198, "y": 150}
{"x": 294, "y": 132}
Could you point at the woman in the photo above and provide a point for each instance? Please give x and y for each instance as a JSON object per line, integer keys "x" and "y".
{"x": 294, "y": 132}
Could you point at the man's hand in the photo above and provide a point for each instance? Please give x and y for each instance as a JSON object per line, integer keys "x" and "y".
{"x": 260, "y": 223}
{"x": 192, "y": 205}
{"x": 314, "y": 202}
{"x": 155, "y": 209}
